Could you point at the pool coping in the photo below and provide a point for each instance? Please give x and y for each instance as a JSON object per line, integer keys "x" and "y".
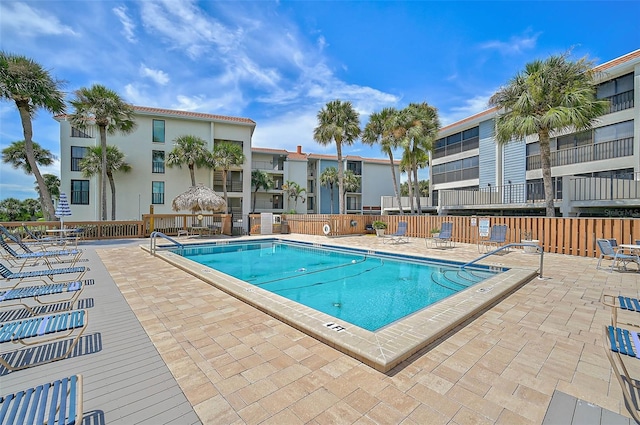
{"x": 382, "y": 349}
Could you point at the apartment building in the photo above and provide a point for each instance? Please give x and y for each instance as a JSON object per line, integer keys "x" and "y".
{"x": 595, "y": 172}
{"x": 151, "y": 184}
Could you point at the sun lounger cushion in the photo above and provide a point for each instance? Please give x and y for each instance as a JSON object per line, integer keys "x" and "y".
{"x": 632, "y": 304}
{"x": 624, "y": 341}
{"x": 41, "y": 325}
{"x": 8, "y": 274}
{"x": 58, "y": 402}
{"x": 36, "y": 291}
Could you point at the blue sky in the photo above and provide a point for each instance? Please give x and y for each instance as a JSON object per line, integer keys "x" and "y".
{"x": 279, "y": 62}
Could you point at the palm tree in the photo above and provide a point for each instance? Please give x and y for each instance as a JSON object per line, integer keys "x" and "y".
{"x": 91, "y": 165}
{"x": 340, "y": 123}
{"x": 260, "y": 180}
{"x": 351, "y": 183}
{"x": 548, "y": 96}
{"x": 294, "y": 191}
{"x": 103, "y": 107}
{"x": 31, "y": 87}
{"x": 226, "y": 155}
{"x": 328, "y": 178}
{"x": 189, "y": 150}
{"x": 382, "y": 128}
{"x": 11, "y": 209}
{"x": 53, "y": 184}
{"x": 421, "y": 125}
{"x": 31, "y": 207}
{"x": 16, "y": 155}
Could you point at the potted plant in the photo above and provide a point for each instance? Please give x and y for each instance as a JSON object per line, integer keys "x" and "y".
{"x": 379, "y": 227}
{"x": 435, "y": 232}
{"x": 527, "y": 237}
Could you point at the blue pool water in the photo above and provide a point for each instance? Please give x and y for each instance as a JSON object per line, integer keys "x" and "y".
{"x": 365, "y": 289}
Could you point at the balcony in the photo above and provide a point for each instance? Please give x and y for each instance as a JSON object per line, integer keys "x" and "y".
{"x": 267, "y": 165}
{"x": 617, "y": 188}
{"x": 523, "y": 193}
{"x": 232, "y": 186}
{"x": 580, "y": 154}
{"x": 620, "y": 101}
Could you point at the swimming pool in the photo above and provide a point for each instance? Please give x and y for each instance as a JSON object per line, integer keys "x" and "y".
{"x": 365, "y": 289}
{"x": 381, "y": 349}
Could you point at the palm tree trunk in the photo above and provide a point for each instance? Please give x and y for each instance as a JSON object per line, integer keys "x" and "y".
{"x": 103, "y": 173}
{"x": 410, "y": 187}
{"x": 331, "y": 196}
{"x": 192, "y": 173}
{"x": 545, "y": 157}
{"x": 340, "y": 177}
{"x": 395, "y": 183}
{"x": 112, "y": 183}
{"x": 224, "y": 189}
{"x": 46, "y": 204}
{"x": 416, "y": 191}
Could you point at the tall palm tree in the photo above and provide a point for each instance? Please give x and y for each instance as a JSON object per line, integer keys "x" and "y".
{"x": 294, "y": 191}
{"x": 338, "y": 122}
{"x": 328, "y": 178}
{"x": 104, "y": 108}
{"x": 91, "y": 165}
{"x": 548, "y": 96}
{"x": 260, "y": 180}
{"x": 31, "y": 87}
{"x": 381, "y": 129}
{"x": 405, "y": 167}
{"x": 421, "y": 125}
{"x": 225, "y": 156}
{"x": 189, "y": 150}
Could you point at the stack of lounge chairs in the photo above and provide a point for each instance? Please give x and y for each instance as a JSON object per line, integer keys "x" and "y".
{"x": 40, "y": 322}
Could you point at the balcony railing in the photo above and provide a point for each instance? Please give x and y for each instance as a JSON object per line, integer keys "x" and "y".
{"x": 233, "y": 186}
{"x": 523, "y": 193}
{"x": 620, "y": 101}
{"x": 621, "y": 187}
{"x": 596, "y": 152}
{"x": 266, "y": 165}
{"x": 391, "y": 202}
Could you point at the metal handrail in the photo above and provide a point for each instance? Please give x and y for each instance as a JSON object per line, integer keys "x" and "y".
{"x": 153, "y": 244}
{"x": 538, "y": 248}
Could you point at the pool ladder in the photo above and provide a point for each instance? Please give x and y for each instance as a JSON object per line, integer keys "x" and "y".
{"x": 507, "y": 246}
{"x": 154, "y": 235}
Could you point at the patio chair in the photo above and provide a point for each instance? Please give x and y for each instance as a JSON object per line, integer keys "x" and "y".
{"x": 29, "y": 257}
{"x": 57, "y": 402}
{"x": 618, "y": 348}
{"x": 444, "y": 238}
{"x": 51, "y": 274}
{"x": 43, "y": 329}
{"x": 40, "y": 293}
{"x": 44, "y": 242}
{"x": 399, "y": 236}
{"x": 497, "y": 238}
{"x": 607, "y": 251}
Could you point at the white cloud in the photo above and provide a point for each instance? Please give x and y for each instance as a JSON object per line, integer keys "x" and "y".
{"x": 516, "y": 44}
{"x": 157, "y": 75}
{"x": 20, "y": 16}
{"x": 128, "y": 26}
{"x": 470, "y": 107}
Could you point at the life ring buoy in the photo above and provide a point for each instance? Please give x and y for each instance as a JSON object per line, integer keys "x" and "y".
{"x": 326, "y": 229}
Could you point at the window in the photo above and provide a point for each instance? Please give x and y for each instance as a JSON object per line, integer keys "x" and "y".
{"x": 619, "y": 131}
{"x": 77, "y": 153}
{"x": 87, "y": 133}
{"x": 157, "y": 162}
{"x": 80, "y": 192}
{"x": 458, "y": 142}
{"x": 157, "y": 192}
{"x": 158, "y": 131}
{"x": 618, "y": 91}
{"x": 463, "y": 169}
{"x": 573, "y": 140}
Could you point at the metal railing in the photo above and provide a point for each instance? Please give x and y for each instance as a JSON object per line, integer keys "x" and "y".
{"x": 620, "y": 187}
{"x": 153, "y": 243}
{"x": 579, "y": 154}
{"x": 507, "y": 246}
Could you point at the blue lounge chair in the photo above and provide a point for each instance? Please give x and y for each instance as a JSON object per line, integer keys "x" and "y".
{"x": 57, "y": 293}
{"x": 616, "y": 256}
{"x": 620, "y": 345}
{"x": 54, "y": 403}
{"x": 23, "y": 259}
{"x": 444, "y": 238}
{"x": 19, "y": 277}
{"x": 497, "y": 238}
{"x": 399, "y": 236}
{"x": 43, "y": 329}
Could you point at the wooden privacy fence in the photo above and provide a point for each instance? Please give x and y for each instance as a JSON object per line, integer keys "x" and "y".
{"x": 572, "y": 236}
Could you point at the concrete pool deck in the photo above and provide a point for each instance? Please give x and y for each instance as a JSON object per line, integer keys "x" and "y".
{"x": 233, "y": 363}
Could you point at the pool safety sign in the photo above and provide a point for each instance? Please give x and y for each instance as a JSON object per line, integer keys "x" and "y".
{"x": 483, "y": 228}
